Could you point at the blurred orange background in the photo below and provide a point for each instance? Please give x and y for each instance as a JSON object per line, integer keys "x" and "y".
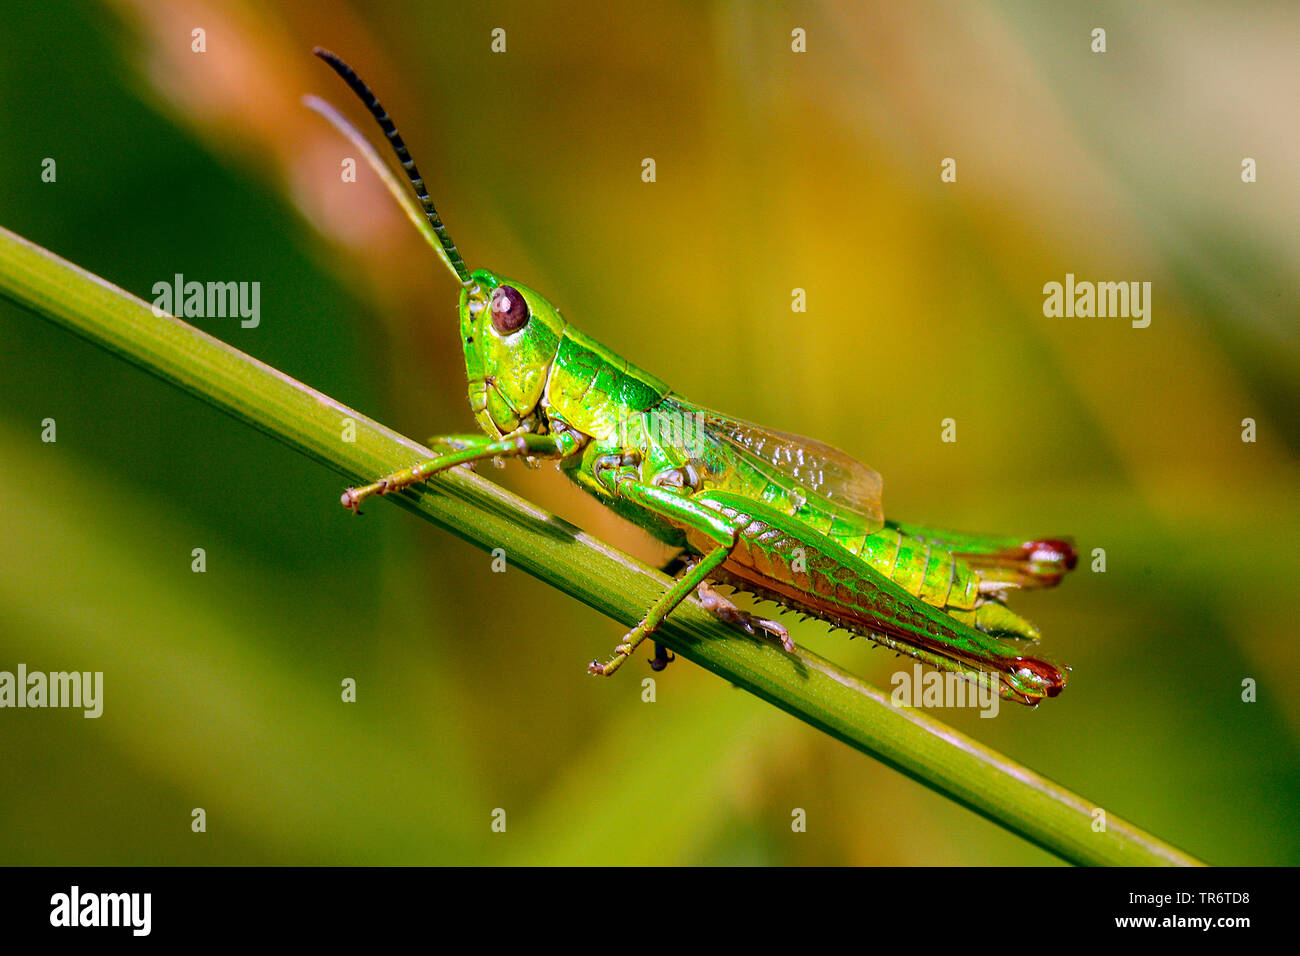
{"x": 775, "y": 170}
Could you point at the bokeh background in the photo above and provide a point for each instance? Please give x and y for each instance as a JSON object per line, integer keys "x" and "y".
{"x": 775, "y": 170}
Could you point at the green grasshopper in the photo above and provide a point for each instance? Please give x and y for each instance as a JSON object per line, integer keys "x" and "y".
{"x": 778, "y": 516}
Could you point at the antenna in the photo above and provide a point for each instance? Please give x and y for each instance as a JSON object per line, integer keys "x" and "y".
{"x": 450, "y": 254}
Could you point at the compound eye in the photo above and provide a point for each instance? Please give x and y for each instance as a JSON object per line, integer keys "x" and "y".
{"x": 509, "y": 310}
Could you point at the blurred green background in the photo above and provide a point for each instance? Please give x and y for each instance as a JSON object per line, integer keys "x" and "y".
{"x": 775, "y": 170}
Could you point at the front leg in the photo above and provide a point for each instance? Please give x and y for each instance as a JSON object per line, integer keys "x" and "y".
{"x": 469, "y": 449}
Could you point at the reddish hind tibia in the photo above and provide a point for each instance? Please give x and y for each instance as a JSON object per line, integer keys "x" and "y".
{"x": 1034, "y": 564}
{"x": 1053, "y": 551}
{"x": 1047, "y": 675}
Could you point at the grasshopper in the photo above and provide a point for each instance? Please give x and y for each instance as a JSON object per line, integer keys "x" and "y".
{"x": 778, "y": 516}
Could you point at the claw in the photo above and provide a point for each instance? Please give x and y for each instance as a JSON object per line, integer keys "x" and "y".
{"x": 353, "y": 497}
{"x": 724, "y": 610}
{"x": 663, "y": 657}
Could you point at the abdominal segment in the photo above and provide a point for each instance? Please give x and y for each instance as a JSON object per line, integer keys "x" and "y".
{"x": 917, "y": 600}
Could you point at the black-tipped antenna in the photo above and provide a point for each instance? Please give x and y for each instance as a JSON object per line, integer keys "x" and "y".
{"x": 380, "y": 114}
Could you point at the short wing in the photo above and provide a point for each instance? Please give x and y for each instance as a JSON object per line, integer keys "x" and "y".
{"x": 847, "y": 486}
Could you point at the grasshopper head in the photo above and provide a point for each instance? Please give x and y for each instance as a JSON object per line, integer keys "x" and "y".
{"x": 510, "y": 333}
{"x": 511, "y": 336}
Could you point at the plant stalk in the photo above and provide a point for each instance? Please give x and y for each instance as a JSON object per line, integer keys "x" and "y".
{"x": 802, "y": 684}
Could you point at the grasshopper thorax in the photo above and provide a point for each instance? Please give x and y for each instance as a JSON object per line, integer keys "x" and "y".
{"x": 511, "y": 336}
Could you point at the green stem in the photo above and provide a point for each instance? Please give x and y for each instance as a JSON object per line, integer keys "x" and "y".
{"x": 802, "y": 684}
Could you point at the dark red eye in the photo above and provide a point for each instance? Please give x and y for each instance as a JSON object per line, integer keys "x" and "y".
{"x": 509, "y": 310}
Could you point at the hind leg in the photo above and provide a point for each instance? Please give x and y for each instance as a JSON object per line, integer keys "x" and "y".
{"x": 725, "y": 610}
